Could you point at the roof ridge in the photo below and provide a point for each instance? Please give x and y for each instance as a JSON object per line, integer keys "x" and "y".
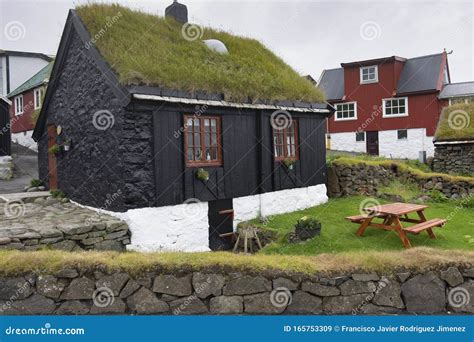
{"x": 458, "y": 83}
{"x": 12, "y": 93}
{"x": 432, "y": 55}
{"x": 333, "y": 69}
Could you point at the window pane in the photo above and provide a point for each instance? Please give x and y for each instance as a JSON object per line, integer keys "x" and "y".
{"x": 197, "y": 154}
{"x": 402, "y": 110}
{"x": 388, "y": 111}
{"x": 189, "y": 138}
{"x": 395, "y": 110}
{"x": 190, "y": 154}
{"x": 214, "y": 139}
{"x": 214, "y": 153}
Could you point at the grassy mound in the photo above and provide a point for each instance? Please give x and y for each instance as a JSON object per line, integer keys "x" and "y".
{"x": 147, "y": 49}
{"x": 47, "y": 262}
{"x": 456, "y": 123}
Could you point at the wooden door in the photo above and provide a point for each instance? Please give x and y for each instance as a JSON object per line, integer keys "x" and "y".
{"x": 52, "y": 162}
{"x": 221, "y": 217}
{"x": 372, "y": 139}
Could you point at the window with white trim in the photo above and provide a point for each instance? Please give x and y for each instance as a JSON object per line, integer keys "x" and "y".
{"x": 38, "y": 97}
{"x": 402, "y": 134}
{"x": 346, "y": 111}
{"x": 19, "y": 105}
{"x": 369, "y": 74}
{"x": 395, "y": 107}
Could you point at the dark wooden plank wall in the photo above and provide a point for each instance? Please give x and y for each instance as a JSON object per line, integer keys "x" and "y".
{"x": 5, "y": 133}
{"x": 248, "y": 164}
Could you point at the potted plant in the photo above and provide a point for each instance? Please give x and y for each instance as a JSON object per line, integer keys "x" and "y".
{"x": 289, "y": 162}
{"x": 307, "y": 228}
{"x": 54, "y": 149}
{"x": 67, "y": 145}
{"x": 202, "y": 175}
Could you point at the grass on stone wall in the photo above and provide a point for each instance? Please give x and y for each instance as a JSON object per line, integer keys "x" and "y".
{"x": 456, "y": 123}
{"x": 49, "y": 262}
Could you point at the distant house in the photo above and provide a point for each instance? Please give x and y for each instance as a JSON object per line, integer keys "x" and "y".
{"x": 184, "y": 137}
{"x": 26, "y": 103}
{"x": 454, "y": 140}
{"x": 386, "y": 106}
{"x": 16, "y": 67}
{"x": 458, "y": 93}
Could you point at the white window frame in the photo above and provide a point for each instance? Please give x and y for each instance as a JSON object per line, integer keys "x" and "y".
{"x": 38, "y": 94}
{"x": 384, "y": 101}
{"x": 375, "y": 80}
{"x": 346, "y": 119}
{"x": 17, "y": 100}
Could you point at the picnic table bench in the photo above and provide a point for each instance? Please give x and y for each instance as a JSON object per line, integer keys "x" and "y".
{"x": 392, "y": 216}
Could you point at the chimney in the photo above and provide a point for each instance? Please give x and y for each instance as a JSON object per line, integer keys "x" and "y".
{"x": 177, "y": 11}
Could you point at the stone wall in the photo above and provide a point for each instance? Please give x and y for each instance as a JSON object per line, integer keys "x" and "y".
{"x": 454, "y": 158}
{"x": 365, "y": 179}
{"x": 69, "y": 292}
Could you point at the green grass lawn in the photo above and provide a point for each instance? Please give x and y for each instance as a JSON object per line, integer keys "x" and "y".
{"x": 338, "y": 235}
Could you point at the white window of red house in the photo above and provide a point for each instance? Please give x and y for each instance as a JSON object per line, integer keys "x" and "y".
{"x": 202, "y": 141}
{"x": 19, "y": 105}
{"x": 369, "y": 74}
{"x": 346, "y": 111}
{"x": 285, "y": 141}
{"x": 395, "y": 107}
{"x": 38, "y": 96}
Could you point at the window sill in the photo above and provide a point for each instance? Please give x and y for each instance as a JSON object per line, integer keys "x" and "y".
{"x": 369, "y": 82}
{"x": 194, "y": 165}
{"x": 346, "y": 119}
{"x": 394, "y": 116}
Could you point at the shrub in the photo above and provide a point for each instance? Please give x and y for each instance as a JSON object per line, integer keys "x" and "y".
{"x": 54, "y": 149}
{"x": 437, "y": 196}
{"x": 36, "y": 182}
{"x": 202, "y": 175}
{"x": 56, "y": 193}
{"x": 307, "y": 228}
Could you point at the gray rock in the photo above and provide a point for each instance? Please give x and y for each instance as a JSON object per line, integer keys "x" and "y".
{"x": 117, "y": 306}
{"x": 116, "y": 226}
{"x": 67, "y": 273}
{"x": 145, "y": 280}
{"x": 320, "y": 290}
{"x": 114, "y": 282}
{"x": 262, "y": 303}
{"x": 73, "y": 307}
{"x": 172, "y": 285}
{"x": 344, "y": 304}
{"x": 35, "y": 305}
{"x": 469, "y": 272}
{"x": 403, "y": 276}
{"x": 116, "y": 235}
{"x": 49, "y": 286}
{"x": 130, "y": 288}
{"x": 191, "y": 305}
{"x": 5, "y": 240}
{"x": 424, "y": 293}
{"x": 461, "y": 298}
{"x": 371, "y": 309}
{"x": 65, "y": 245}
{"x": 365, "y": 277}
{"x": 208, "y": 284}
{"x": 109, "y": 245}
{"x": 351, "y": 287}
{"x": 389, "y": 294}
{"x": 285, "y": 283}
{"x": 452, "y": 276}
{"x": 247, "y": 285}
{"x": 145, "y": 302}
{"x": 74, "y": 228}
{"x": 226, "y": 305}
{"x": 15, "y": 288}
{"x": 168, "y": 298}
{"x": 333, "y": 281}
{"x": 305, "y": 304}
{"x": 79, "y": 288}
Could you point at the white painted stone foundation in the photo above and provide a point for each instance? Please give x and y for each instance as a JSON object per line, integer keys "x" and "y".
{"x": 389, "y": 145}
{"x": 25, "y": 139}
{"x": 185, "y": 227}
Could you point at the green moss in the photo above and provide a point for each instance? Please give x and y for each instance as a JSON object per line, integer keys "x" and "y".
{"x": 456, "y": 123}
{"x": 147, "y": 49}
{"x": 407, "y": 190}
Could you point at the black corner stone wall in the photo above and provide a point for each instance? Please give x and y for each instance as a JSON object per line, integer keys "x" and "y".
{"x": 71, "y": 292}
{"x": 455, "y": 158}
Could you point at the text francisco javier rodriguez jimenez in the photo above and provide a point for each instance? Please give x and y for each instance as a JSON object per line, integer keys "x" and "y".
{"x": 404, "y": 329}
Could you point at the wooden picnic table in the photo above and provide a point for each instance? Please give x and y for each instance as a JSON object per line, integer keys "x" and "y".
{"x": 392, "y": 215}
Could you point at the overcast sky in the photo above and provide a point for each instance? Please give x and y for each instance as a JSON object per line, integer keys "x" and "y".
{"x": 309, "y": 35}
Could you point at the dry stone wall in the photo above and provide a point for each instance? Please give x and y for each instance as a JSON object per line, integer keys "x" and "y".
{"x": 456, "y": 158}
{"x": 70, "y": 292}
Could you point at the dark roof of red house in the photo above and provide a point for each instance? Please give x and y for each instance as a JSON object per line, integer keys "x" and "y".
{"x": 419, "y": 74}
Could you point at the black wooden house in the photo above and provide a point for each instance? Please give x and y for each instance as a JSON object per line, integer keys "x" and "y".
{"x": 121, "y": 138}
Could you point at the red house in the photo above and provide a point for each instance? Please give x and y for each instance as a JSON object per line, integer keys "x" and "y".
{"x": 26, "y": 104}
{"x": 386, "y": 106}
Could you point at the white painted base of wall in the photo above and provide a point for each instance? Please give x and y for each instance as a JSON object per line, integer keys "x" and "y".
{"x": 185, "y": 227}
{"x": 389, "y": 145}
{"x": 25, "y": 139}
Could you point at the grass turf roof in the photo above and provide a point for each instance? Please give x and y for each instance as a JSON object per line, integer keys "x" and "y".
{"x": 456, "y": 123}
{"x": 145, "y": 49}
